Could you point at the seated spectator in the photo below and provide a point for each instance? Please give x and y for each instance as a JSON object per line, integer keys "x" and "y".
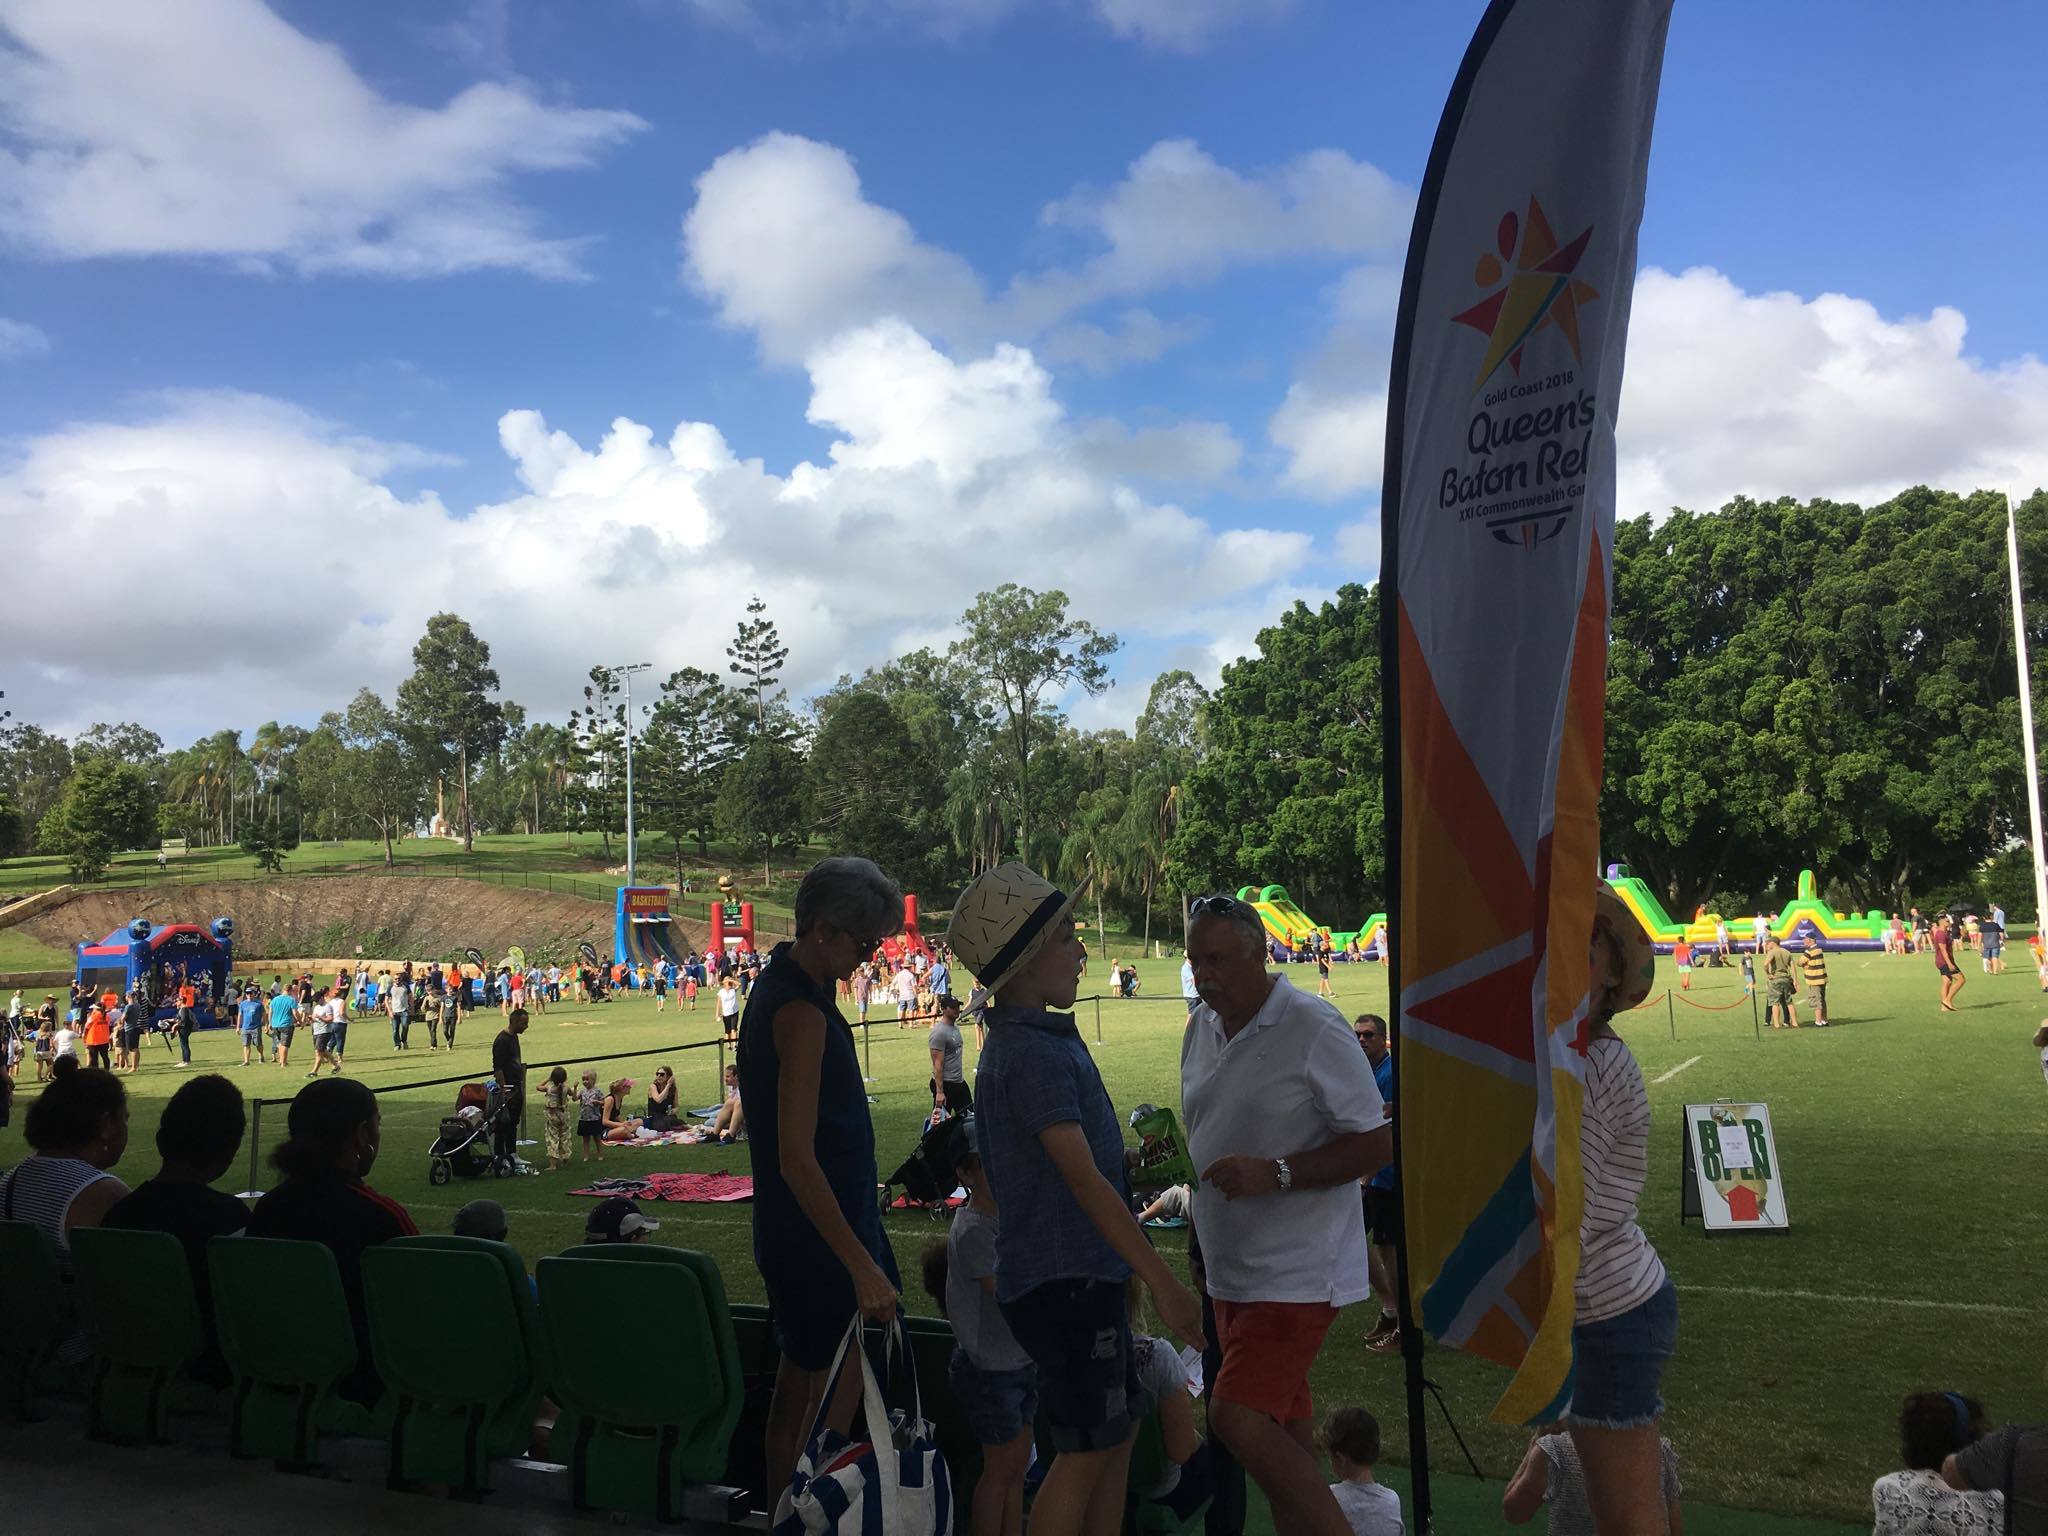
{"x": 334, "y": 1129}
{"x": 730, "y": 1123}
{"x": 1352, "y": 1439}
{"x": 1174, "y": 1204}
{"x": 618, "y": 1220}
{"x": 198, "y": 1137}
{"x": 1550, "y": 1473}
{"x": 1933, "y": 1428}
{"x": 2013, "y": 1459}
{"x": 1187, "y": 1481}
{"x": 661, "y": 1100}
{"x": 481, "y": 1218}
{"x": 618, "y": 1125}
{"x": 78, "y": 1127}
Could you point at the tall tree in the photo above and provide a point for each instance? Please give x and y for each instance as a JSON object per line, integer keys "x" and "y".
{"x": 107, "y": 805}
{"x": 446, "y": 704}
{"x": 34, "y": 767}
{"x": 871, "y": 791}
{"x": 761, "y": 799}
{"x": 600, "y": 731}
{"x": 756, "y": 657}
{"x": 385, "y": 786}
{"x": 686, "y": 749}
{"x": 125, "y": 743}
{"x": 1020, "y": 646}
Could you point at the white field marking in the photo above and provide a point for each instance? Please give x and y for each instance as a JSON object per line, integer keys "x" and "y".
{"x": 1836, "y": 1298}
{"x": 703, "y": 1211}
{"x": 1694, "y": 1061}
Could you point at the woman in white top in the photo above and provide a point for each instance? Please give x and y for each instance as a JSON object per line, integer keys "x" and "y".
{"x": 1626, "y": 1322}
{"x": 1917, "y": 1502}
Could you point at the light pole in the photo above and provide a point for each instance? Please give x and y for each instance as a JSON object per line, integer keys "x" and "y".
{"x": 627, "y": 672}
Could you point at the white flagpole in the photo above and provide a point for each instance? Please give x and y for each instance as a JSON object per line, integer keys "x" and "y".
{"x": 2019, "y": 640}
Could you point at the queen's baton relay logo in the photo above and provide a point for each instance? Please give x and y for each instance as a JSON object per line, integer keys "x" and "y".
{"x": 1527, "y": 445}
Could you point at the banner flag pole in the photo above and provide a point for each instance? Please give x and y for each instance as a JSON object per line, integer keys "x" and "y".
{"x": 2019, "y": 643}
{"x": 1497, "y": 521}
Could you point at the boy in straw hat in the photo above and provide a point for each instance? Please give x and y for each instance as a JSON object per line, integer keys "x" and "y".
{"x": 1052, "y": 1149}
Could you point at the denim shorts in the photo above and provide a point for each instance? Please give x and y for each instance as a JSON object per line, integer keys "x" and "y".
{"x": 1078, "y": 1334}
{"x": 1618, "y": 1364}
{"x": 997, "y": 1405}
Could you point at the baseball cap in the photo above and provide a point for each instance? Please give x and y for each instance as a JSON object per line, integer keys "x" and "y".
{"x": 616, "y": 1221}
{"x": 481, "y": 1218}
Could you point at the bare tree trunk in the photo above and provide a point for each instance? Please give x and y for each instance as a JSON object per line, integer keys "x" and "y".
{"x": 1148, "y": 916}
{"x": 468, "y": 833}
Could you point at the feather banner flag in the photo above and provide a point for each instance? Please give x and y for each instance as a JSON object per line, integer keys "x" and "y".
{"x": 1498, "y": 522}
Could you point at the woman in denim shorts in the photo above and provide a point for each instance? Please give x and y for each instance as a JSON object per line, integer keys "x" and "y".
{"x": 1627, "y": 1311}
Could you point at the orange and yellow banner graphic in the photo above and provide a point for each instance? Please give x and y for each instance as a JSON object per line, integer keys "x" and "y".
{"x": 1498, "y": 520}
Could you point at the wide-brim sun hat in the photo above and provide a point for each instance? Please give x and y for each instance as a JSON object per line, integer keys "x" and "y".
{"x": 1004, "y": 917}
{"x": 1638, "y": 959}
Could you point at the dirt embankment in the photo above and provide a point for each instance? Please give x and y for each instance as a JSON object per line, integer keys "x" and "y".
{"x": 388, "y": 917}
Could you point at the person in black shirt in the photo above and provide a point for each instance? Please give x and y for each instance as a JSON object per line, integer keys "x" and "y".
{"x": 335, "y": 1128}
{"x": 510, "y": 1072}
{"x": 198, "y": 1136}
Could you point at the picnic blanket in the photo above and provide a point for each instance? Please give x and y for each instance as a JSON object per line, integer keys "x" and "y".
{"x": 676, "y": 1188}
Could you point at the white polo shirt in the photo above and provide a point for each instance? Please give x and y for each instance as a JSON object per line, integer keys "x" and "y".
{"x": 1292, "y": 1080}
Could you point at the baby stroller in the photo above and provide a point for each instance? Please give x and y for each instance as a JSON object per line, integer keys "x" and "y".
{"x": 463, "y": 1147}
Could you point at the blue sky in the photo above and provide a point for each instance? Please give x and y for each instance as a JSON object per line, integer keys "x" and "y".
{"x": 1089, "y": 293}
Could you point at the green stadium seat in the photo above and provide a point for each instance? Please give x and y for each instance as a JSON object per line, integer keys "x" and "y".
{"x": 142, "y": 1315}
{"x": 285, "y": 1330}
{"x": 455, "y": 1333}
{"x": 635, "y": 1439}
{"x": 29, "y": 1266}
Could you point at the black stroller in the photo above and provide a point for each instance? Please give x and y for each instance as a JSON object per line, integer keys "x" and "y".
{"x": 463, "y": 1147}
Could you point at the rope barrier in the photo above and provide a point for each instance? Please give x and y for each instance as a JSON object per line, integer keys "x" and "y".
{"x": 1710, "y": 1007}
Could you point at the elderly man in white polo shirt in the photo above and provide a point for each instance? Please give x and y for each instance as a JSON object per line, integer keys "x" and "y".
{"x": 1283, "y": 1121}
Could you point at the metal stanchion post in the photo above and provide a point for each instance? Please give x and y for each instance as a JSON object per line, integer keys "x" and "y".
{"x": 255, "y": 1148}
{"x": 1753, "y": 1024}
{"x": 1098, "y": 1021}
{"x": 867, "y": 1048}
{"x": 1671, "y": 1008}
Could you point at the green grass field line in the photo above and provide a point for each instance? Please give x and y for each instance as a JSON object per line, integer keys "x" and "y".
{"x": 1909, "y": 1142}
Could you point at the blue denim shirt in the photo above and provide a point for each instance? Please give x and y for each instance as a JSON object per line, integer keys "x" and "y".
{"x": 1037, "y": 1073}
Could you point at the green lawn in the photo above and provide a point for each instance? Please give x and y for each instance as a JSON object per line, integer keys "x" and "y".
{"x": 1908, "y": 1140}
{"x": 20, "y": 952}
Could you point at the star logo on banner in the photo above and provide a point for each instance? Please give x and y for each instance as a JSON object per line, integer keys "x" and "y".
{"x": 1539, "y": 291}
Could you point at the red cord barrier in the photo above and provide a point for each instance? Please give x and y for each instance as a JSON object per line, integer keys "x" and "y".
{"x": 1712, "y": 1007}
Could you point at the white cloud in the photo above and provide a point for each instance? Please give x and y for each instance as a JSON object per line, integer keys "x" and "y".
{"x": 1178, "y": 217}
{"x": 775, "y": 21}
{"x": 1183, "y": 26}
{"x": 20, "y": 339}
{"x": 1335, "y": 441}
{"x": 1194, "y": 452}
{"x": 783, "y": 241}
{"x": 1730, "y": 392}
{"x": 964, "y": 471}
{"x": 213, "y": 128}
{"x": 1139, "y": 337}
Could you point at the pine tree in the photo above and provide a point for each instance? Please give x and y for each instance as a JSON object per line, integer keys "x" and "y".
{"x": 756, "y": 657}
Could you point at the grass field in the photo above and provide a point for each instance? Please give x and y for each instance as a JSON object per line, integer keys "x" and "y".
{"x": 1908, "y": 1141}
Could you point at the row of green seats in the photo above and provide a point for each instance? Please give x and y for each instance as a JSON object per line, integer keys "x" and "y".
{"x": 463, "y": 1349}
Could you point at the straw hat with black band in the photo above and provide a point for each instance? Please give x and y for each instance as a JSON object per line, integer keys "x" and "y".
{"x": 1613, "y": 921}
{"x": 1004, "y": 917}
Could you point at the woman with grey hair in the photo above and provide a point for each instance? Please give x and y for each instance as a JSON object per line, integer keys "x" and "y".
{"x": 818, "y": 1238}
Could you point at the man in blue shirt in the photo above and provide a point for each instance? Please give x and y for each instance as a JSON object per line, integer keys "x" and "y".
{"x": 284, "y": 1012}
{"x": 941, "y": 981}
{"x": 249, "y": 1017}
{"x": 1382, "y": 1201}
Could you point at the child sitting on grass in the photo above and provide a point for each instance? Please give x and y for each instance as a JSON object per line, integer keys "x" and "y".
{"x": 992, "y": 1377}
{"x": 1352, "y": 1440}
{"x": 555, "y": 1117}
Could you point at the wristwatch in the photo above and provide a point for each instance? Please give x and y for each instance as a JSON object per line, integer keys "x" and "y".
{"x": 1284, "y": 1173}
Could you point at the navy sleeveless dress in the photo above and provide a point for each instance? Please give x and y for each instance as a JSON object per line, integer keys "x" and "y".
{"x": 810, "y": 1294}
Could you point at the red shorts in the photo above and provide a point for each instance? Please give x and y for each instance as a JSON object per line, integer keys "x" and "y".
{"x": 1268, "y": 1347}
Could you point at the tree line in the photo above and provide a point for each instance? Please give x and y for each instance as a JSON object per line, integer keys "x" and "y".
{"x": 1790, "y": 685}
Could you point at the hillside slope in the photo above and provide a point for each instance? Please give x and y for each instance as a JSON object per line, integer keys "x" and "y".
{"x": 389, "y": 918}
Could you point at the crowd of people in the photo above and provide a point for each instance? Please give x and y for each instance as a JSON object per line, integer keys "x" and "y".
{"x": 1069, "y": 1324}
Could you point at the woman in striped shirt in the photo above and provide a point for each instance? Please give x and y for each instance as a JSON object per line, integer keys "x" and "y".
{"x": 1626, "y": 1325}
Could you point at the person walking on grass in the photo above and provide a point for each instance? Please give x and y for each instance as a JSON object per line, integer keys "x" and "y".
{"x": 1681, "y": 956}
{"x": 399, "y": 1003}
{"x": 1813, "y": 977}
{"x": 1051, "y": 1145}
{"x": 284, "y": 1015}
{"x": 729, "y": 1008}
{"x": 1943, "y": 943}
{"x": 1779, "y": 985}
{"x": 508, "y": 1070}
{"x": 1382, "y": 1200}
{"x": 1284, "y": 1119}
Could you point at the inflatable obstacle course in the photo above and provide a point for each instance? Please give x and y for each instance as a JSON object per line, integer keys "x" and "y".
{"x": 1804, "y": 914}
{"x": 1288, "y": 925}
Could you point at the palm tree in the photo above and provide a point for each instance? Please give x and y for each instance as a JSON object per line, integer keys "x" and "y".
{"x": 1090, "y": 849}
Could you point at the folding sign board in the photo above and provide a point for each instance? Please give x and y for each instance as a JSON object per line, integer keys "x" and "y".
{"x": 1730, "y": 1177}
